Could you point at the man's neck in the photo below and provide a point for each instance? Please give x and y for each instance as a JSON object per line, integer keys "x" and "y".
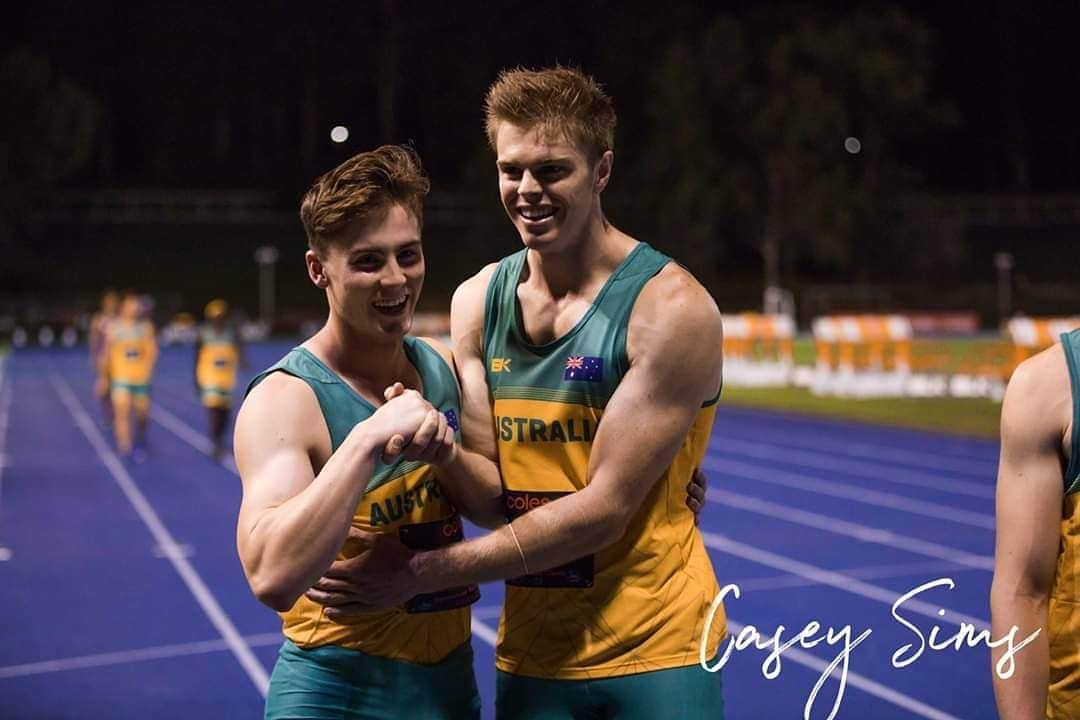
{"x": 584, "y": 264}
{"x": 367, "y": 366}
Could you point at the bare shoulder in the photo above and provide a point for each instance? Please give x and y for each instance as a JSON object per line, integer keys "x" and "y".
{"x": 676, "y": 324}
{"x": 674, "y": 307}
{"x": 676, "y": 296}
{"x": 467, "y": 310}
{"x": 1038, "y": 401}
{"x": 281, "y": 410}
{"x": 471, "y": 293}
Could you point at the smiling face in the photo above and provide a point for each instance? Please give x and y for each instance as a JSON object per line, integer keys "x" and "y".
{"x": 548, "y": 187}
{"x": 373, "y": 275}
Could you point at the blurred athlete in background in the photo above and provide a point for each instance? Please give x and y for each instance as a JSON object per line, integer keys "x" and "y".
{"x": 98, "y": 339}
{"x": 218, "y": 354}
{"x": 131, "y": 354}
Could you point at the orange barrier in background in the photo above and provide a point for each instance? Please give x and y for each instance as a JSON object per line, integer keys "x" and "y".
{"x": 1030, "y": 335}
{"x": 859, "y": 343}
{"x": 754, "y": 337}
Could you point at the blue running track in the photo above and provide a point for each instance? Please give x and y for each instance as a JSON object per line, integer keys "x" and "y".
{"x": 124, "y": 597}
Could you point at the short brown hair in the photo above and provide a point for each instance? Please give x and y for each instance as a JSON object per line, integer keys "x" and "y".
{"x": 362, "y": 189}
{"x": 562, "y": 101}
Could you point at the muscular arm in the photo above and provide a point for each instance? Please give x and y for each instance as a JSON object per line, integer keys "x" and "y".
{"x": 673, "y": 344}
{"x": 292, "y": 521}
{"x": 471, "y": 477}
{"x": 1030, "y": 491}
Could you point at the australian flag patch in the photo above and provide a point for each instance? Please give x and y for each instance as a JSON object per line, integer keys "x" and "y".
{"x": 584, "y": 367}
{"x": 452, "y": 421}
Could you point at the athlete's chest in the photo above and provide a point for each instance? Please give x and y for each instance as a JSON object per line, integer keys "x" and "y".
{"x": 544, "y": 319}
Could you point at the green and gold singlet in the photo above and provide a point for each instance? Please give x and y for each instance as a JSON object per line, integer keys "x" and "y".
{"x": 402, "y": 498}
{"x": 1063, "y": 617}
{"x": 639, "y": 605}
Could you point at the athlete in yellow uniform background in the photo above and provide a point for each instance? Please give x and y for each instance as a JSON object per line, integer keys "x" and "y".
{"x": 218, "y": 355}
{"x": 131, "y": 355}
{"x": 98, "y": 341}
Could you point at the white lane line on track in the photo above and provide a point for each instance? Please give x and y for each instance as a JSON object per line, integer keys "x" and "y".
{"x": 800, "y": 657}
{"x": 861, "y": 682}
{"x": 5, "y": 414}
{"x": 973, "y": 466}
{"x": 840, "y": 581}
{"x": 844, "y": 491}
{"x": 123, "y": 657}
{"x": 209, "y": 604}
{"x": 846, "y": 528}
{"x": 190, "y": 435}
{"x": 866, "y": 572}
{"x": 489, "y": 635}
{"x": 485, "y": 632}
{"x": 858, "y": 468}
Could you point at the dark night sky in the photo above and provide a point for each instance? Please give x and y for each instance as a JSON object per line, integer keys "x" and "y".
{"x": 164, "y": 69}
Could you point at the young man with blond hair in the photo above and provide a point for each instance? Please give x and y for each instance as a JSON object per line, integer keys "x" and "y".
{"x": 1037, "y": 555}
{"x": 319, "y": 442}
{"x": 590, "y": 364}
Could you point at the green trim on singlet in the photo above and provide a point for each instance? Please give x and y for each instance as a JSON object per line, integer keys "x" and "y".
{"x": 342, "y": 407}
{"x": 539, "y": 372}
{"x": 709, "y": 403}
{"x": 569, "y": 397}
{"x": 135, "y": 389}
{"x": 209, "y": 335}
{"x": 1070, "y": 343}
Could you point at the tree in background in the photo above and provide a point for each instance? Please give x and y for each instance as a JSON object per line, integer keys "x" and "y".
{"x": 750, "y": 116}
{"x": 48, "y": 128}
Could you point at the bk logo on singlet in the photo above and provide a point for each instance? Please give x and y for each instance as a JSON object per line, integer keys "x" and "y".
{"x": 500, "y": 365}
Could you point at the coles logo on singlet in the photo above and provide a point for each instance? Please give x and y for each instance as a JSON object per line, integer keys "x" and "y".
{"x": 429, "y": 536}
{"x": 575, "y": 574}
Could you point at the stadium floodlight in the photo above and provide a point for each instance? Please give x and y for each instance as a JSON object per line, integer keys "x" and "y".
{"x": 266, "y": 256}
{"x": 1004, "y": 262}
{"x": 339, "y": 134}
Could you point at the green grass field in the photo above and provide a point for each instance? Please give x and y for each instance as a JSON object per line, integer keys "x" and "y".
{"x": 963, "y": 416}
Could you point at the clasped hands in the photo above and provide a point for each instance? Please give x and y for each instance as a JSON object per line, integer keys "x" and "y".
{"x": 377, "y": 573}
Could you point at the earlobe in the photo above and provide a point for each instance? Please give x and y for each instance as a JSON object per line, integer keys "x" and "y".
{"x": 603, "y": 170}
{"x": 315, "y": 270}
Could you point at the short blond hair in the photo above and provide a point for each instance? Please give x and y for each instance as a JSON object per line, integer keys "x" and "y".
{"x": 561, "y": 101}
{"x": 361, "y": 189}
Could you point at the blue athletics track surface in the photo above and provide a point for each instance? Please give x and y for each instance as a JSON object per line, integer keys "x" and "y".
{"x": 123, "y": 596}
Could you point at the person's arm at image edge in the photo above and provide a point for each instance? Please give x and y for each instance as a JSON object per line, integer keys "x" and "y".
{"x": 1029, "y": 504}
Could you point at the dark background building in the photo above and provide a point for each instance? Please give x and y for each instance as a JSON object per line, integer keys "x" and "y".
{"x": 862, "y": 155}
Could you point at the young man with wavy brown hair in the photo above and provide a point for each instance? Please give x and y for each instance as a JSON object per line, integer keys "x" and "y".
{"x": 319, "y": 443}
